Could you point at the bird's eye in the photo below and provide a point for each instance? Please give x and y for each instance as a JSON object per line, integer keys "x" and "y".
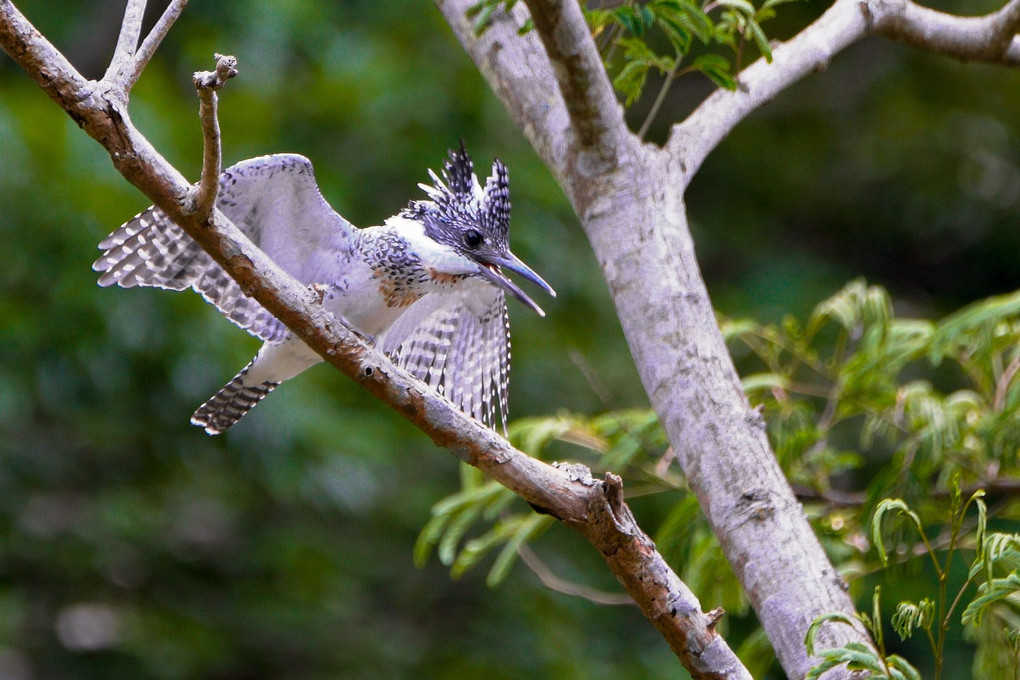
{"x": 472, "y": 238}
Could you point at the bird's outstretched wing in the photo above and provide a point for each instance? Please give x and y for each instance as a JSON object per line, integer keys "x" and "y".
{"x": 274, "y": 200}
{"x": 459, "y": 344}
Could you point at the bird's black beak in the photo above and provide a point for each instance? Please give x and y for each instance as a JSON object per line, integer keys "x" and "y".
{"x": 491, "y": 269}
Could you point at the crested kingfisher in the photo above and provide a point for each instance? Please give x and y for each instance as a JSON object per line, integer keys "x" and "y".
{"x": 427, "y": 287}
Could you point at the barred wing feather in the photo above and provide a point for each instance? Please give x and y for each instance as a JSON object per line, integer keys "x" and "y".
{"x": 458, "y": 344}
{"x": 274, "y": 200}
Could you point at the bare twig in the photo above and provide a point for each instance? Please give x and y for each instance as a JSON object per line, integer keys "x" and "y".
{"x": 667, "y": 83}
{"x": 151, "y": 42}
{"x": 1007, "y": 487}
{"x": 207, "y": 83}
{"x": 127, "y": 41}
{"x": 560, "y": 585}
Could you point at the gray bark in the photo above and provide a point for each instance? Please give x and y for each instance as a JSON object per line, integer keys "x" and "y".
{"x": 629, "y": 199}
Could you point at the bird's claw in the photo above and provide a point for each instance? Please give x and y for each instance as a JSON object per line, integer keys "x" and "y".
{"x": 320, "y": 291}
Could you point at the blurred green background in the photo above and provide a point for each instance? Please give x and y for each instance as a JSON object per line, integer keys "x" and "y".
{"x": 133, "y": 545}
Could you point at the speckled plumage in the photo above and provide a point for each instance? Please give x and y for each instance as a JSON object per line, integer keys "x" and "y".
{"x": 417, "y": 285}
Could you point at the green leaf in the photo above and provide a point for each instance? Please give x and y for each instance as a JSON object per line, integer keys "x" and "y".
{"x": 529, "y": 530}
{"x": 989, "y": 593}
{"x": 475, "y": 549}
{"x": 855, "y": 305}
{"x": 856, "y": 655}
{"x": 636, "y": 20}
{"x": 680, "y": 20}
{"x": 598, "y": 19}
{"x": 999, "y": 549}
{"x": 982, "y": 525}
{"x": 876, "y": 617}
{"x": 876, "y": 523}
{"x": 532, "y": 435}
{"x": 760, "y": 40}
{"x": 901, "y": 668}
{"x": 769, "y": 4}
{"x": 816, "y": 625}
{"x": 449, "y": 514}
{"x": 630, "y": 81}
{"x": 909, "y": 617}
{"x": 756, "y": 653}
{"x": 427, "y": 539}
{"x": 765, "y": 382}
{"x": 710, "y": 576}
{"x": 637, "y": 50}
{"x": 735, "y": 328}
{"x": 455, "y": 530}
{"x": 717, "y": 69}
{"x": 678, "y": 34}
{"x": 742, "y": 6}
{"x": 955, "y": 330}
{"x": 675, "y": 532}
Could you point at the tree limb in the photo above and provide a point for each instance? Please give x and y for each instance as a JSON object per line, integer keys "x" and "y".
{"x": 151, "y": 42}
{"x": 595, "y": 114}
{"x": 691, "y": 141}
{"x": 127, "y": 40}
{"x": 990, "y": 38}
{"x": 635, "y": 218}
{"x": 518, "y": 70}
{"x": 594, "y": 508}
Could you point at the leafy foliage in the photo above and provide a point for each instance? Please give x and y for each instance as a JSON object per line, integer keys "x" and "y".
{"x": 994, "y": 596}
{"x": 855, "y": 367}
{"x": 671, "y": 37}
{"x": 851, "y": 383}
{"x": 858, "y": 656}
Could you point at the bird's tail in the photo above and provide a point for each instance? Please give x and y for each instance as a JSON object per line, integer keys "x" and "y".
{"x": 230, "y": 404}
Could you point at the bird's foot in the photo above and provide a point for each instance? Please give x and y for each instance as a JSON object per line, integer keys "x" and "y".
{"x": 320, "y": 290}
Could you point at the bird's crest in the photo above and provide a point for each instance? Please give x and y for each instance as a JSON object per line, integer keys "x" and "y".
{"x": 460, "y": 200}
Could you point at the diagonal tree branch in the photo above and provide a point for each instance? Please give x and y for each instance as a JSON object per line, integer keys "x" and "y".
{"x": 594, "y": 508}
{"x": 595, "y": 114}
{"x": 811, "y": 50}
{"x": 992, "y": 38}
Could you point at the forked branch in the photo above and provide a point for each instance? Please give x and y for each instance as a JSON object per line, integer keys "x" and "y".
{"x": 130, "y": 58}
{"x": 594, "y": 508}
{"x": 152, "y": 41}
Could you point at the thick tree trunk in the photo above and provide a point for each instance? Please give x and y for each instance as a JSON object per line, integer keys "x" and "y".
{"x": 629, "y": 199}
{"x": 637, "y": 225}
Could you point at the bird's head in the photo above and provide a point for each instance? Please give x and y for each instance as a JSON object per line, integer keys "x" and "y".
{"x": 475, "y": 221}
